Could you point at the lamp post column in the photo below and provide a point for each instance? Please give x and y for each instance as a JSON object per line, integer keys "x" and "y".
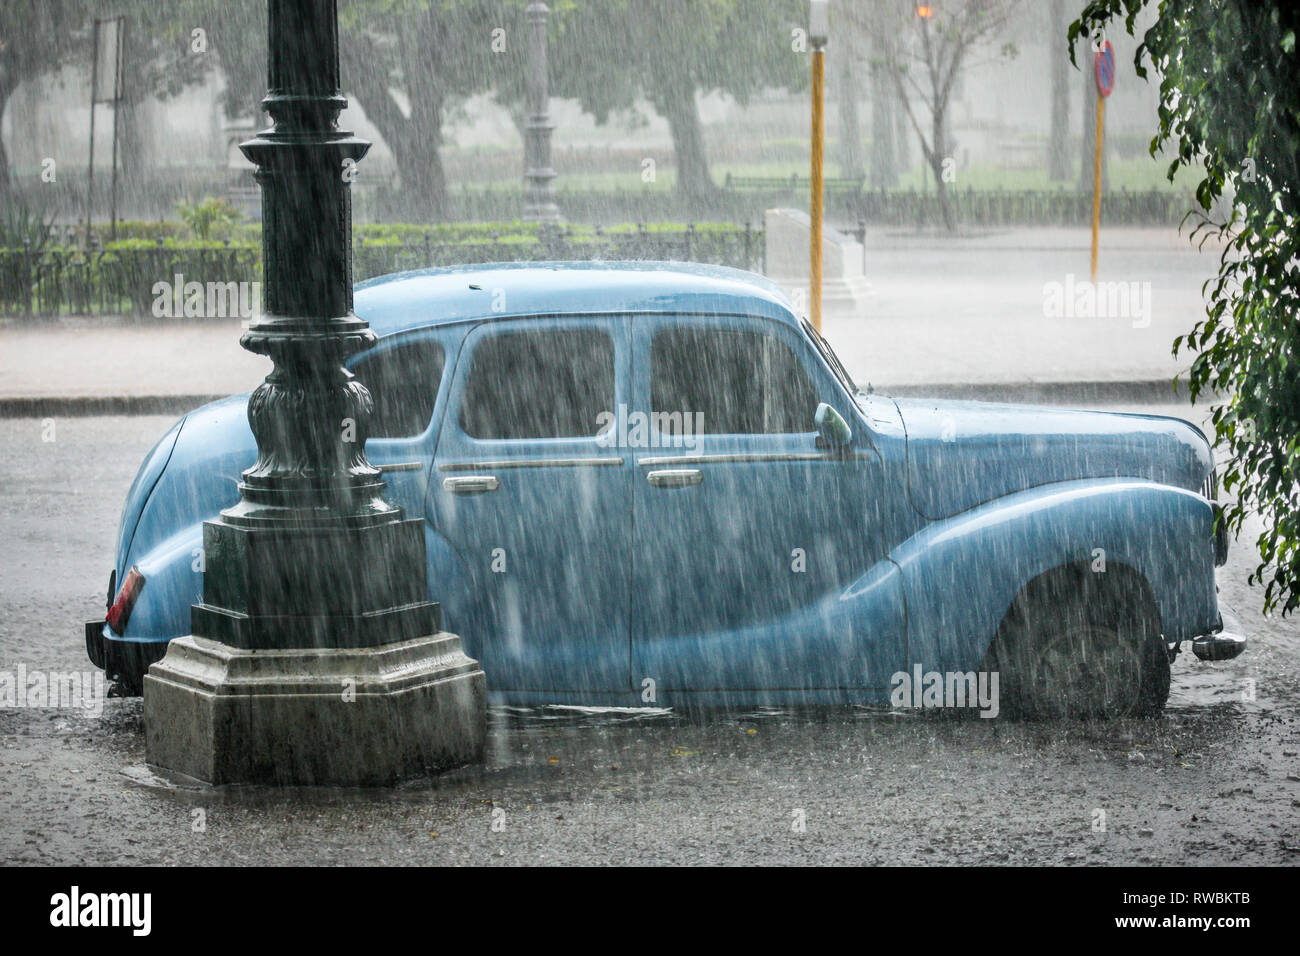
{"x": 539, "y": 176}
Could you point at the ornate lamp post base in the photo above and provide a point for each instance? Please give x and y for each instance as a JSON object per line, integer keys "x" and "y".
{"x": 340, "y": 716}
{"x": 316, "y": 657}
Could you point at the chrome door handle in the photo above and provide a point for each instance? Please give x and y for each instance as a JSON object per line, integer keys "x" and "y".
{"x": 675, "y": 477}
{"x": 471, "y": 484}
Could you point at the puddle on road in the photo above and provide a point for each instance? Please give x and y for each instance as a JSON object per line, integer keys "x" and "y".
{"x": 557, "y": 753}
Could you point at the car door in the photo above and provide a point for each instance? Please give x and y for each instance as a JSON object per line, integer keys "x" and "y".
{"x": 746, "y": 533}
{"x": 404, "y": 376}
{"x": 536, "y": 506}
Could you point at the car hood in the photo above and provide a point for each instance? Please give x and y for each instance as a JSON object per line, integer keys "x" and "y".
{"x": 961, "y": 454}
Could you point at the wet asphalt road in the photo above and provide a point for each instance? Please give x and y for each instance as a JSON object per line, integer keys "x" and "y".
{"x": 1215, "y": 781}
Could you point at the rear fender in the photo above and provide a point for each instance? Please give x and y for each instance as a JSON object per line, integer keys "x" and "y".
{"x": 173, "y": 581}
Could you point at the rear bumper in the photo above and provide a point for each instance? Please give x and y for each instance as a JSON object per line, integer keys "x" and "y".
{"x": 1223, "y": 643}
{"x": 122, "y": 661}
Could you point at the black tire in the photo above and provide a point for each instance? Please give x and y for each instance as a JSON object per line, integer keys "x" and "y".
{"x": 1084, "y": 645}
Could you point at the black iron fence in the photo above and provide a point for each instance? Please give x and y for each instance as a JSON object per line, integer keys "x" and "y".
{"x": 1046, "y": 207}
{"x": 113, "y": 281}
{"x": 738, "y": 247}
{"x": 163, "y": 280}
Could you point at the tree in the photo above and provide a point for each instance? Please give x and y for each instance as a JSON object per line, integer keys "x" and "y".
{"x": 408, "y": 63}
{"x": 1230, "y": 101}
{"x": 851, "y": 163}
{"x": 1058, "y": 141}
{"x": 866, "y": 36}
{"x": 935, "y": 44}
{"x": 36, "y": 37}
{"x": 40, "y": 37}
{"x": 886, "y": 152}
{"x": 669, "y": 51}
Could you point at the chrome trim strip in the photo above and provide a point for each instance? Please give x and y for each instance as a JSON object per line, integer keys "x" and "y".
{"x": 530, "y": 463}
{"x": 402, "y": 466}
{"x": 724, "y": 459}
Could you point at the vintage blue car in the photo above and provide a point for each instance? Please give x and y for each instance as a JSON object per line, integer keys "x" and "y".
{"x": 653, "y": 483}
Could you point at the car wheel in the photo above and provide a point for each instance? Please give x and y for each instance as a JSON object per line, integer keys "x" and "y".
{"x": 1082, "y": 645}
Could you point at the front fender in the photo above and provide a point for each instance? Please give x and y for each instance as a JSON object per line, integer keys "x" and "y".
{"x": 961, "y": 574}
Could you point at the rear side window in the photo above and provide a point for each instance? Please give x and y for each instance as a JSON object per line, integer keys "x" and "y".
{"x": 735, "y": 382}
{"x": 539, "y": 385}
{"x": 404, "y": 384}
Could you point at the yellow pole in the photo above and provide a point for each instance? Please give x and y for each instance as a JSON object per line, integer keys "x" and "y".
{"x": 1096, "y": 181}
{"x": 818, "y": 138}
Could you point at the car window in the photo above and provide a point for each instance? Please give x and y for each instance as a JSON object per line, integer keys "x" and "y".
{"x": 552, "y": 384}
{"x": 733, "y": 381}
{"x": 404, "y": 384}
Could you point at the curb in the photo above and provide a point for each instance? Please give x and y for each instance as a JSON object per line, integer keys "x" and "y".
{"x": 91, "y": 406}
{"x": 1160, "y": 391}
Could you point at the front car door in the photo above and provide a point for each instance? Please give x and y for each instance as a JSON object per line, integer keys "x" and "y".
{"x": 758, "y": 557}
{"x": 536, "y": 506}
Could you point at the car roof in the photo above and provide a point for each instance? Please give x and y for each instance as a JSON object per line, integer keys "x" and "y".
{"x": 429, "y": 297}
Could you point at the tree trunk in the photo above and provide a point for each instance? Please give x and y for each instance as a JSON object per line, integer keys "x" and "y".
{"x": 135, "y": 158}
{"x": 415, "y": 141}
{"x": 422, "y": 158}
{"x": 6, "y": 187}
{"x": 675, "y": 101}
{"x": 1058, "y": 146}
{"x": 851, "y": 162}
{"x": 937, "y": 155}
{"x": 6, "y": 191}
{"x": 884, "y": 129}
{"x": 419, "y": 162}
{"x": 902, "y": 140}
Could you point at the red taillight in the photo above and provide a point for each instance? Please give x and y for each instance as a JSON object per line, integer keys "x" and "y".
{"x": 120, "y": 612}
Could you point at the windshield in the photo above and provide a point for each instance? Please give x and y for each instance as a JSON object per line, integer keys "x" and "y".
{"x": 831, "y": 358}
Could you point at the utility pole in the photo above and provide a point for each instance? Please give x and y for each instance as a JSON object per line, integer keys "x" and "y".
{"x": 818, "y": 29}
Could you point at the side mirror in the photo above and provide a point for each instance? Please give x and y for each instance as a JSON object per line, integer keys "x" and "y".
{"x": 832, "y": 430}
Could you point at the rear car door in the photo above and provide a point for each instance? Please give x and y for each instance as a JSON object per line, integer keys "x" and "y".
{"x": 536, "y": 507}
{"x": 404, "y": 376}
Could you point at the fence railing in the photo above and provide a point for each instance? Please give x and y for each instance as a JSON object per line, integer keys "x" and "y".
{"x": 908, "y": 208}
{"x": 126, "y": 281}
{"x": 1046, "y": 207}
{"x": 111, "y": 281}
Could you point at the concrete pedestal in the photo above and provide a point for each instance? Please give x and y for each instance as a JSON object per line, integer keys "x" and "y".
{"x": 365, "y": 716}
{"x": 845, "y": 288}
